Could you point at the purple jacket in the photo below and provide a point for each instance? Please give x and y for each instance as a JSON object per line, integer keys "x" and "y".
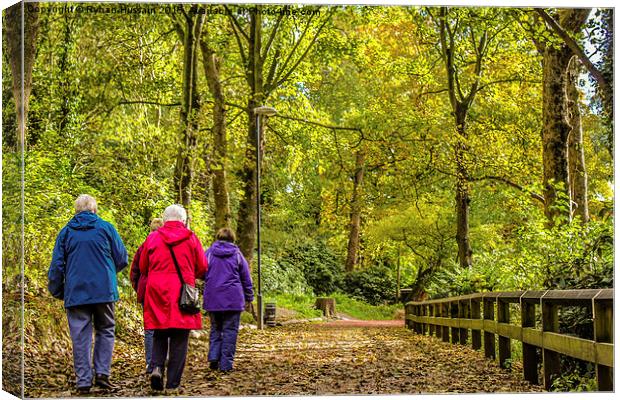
{"x": 228, "y": 284}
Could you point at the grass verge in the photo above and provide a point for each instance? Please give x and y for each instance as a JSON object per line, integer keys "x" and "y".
{"x": 303, "y": 305}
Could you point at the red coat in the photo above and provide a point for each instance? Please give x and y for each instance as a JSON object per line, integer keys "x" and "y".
{"x": 163, "y": 287}
{"x": 138, "y": 281}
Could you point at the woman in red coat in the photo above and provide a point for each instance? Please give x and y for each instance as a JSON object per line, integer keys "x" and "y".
{"x": 163, "y": 289}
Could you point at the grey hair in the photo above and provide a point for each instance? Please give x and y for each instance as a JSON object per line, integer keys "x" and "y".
{"x": 175, "y": 212}
{"x": 85, "y": 202}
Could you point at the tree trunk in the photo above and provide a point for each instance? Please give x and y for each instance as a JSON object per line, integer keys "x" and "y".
{"x": 218, "y": 164}
{"x": 190, "y": 106}
{"x": 353, "y": 246}
{"x": 461, "y": 103}
{"x": 556, "y": 127}
{"x": 246, "y": 221}
{"x": 327, "y": 305}
{"x": 12, "y": 27}
{"x": 555, "y": 134}
{"x": 576, "y": 158}
{"x": 462, "y": 198}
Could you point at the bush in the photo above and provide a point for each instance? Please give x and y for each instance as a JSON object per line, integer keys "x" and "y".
{"x": 375, "y": 285}
{"x": 320, "y": 266}
{"x": 282, "y": 276}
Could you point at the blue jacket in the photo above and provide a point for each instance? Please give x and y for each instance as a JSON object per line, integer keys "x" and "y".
{"x": 87, "y": 256}
{"x": 228, "y": 284}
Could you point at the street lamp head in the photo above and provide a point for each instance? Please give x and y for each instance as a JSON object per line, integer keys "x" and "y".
{"x": 266, "y": 111}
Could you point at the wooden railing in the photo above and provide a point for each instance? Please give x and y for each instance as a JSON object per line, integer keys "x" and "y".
{"x": 488, "y": 315}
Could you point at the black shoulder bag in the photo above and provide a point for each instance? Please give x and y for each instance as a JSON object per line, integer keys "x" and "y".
{"x": 189, "y": 301}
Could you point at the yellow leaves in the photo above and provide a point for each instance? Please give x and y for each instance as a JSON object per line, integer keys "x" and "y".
{"x": 301, "y": 359}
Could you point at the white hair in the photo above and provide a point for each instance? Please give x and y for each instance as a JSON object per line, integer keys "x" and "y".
{"x": 85, "y": 202}
{"x": 175, "y": 212}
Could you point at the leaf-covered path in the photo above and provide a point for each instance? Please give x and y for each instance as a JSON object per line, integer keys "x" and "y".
{"x": 316, "y": 359}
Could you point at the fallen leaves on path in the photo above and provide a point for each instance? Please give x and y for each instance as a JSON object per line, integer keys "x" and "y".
{"x": 303, "y": 359}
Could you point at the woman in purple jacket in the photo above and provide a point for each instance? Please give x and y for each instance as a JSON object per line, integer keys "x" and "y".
{"x": 228, "y": 288}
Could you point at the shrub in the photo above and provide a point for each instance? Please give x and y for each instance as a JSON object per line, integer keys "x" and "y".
{"x": 282, "y": 276}
{"x": 320, "y": 266}
{"x": 374, "y": 285}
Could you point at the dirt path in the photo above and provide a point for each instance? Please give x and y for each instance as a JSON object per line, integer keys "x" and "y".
{"x": 311, "y": 359}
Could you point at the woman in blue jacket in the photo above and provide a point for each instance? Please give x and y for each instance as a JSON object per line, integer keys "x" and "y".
{"x": 87, "y": 256}
{"x": 228, "y": 288}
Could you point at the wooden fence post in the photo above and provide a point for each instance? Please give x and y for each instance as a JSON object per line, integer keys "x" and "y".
{"x": 454, "y": 312}
{"x": 476, "y": 340}
{"x": 530, "y": 360}
{"x": 602, "y": 311}
{"x": 463, "y": 313}
{"x": 408, "y": 312}
{"x": 418, "y": 325}
{"x": 551, "y": 359}
{"x": 426, "y": 328}
{"x": 503, "y": 316}
{"x": 445, "y": 330}
{"x": 436, "y": 313}
{"x": 489, "y": 337}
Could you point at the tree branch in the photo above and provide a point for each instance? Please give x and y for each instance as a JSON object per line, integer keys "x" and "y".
{"x": 334, "y": 127}
{"x": 512, "y": 184}
{"x": 300, "y": 59}
{"x": 236, "y": 23}
{"x": 576, "y": 49}
{"x": 240, "y": 45}
{"x": 272, "y": 36}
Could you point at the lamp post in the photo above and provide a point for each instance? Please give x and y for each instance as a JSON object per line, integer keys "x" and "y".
{"x": 259, "y": 112}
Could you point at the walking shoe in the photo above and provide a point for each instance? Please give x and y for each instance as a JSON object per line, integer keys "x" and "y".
{"x": 174, "y": 391}
{"x": 83, "y": 389}
{"x": 157, "y": 381}
{"x": 103, "y": 381}
{"x": 213, "y": 365}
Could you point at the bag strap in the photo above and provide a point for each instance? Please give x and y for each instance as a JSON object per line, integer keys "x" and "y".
{"x": 176, "y": 264}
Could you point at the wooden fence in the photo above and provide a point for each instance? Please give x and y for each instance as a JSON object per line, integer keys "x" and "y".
{"x": 488, "y": 315}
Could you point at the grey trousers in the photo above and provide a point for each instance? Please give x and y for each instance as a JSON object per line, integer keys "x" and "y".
{"x": 81, "y": 321}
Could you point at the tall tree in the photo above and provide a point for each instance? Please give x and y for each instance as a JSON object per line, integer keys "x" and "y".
{"x": 556, "y": 127}
{"x": 212, "y": 64}
{"x": 461, "y": 103}
{"x": 267, "y": 67}
{"x": 189, "y": 27}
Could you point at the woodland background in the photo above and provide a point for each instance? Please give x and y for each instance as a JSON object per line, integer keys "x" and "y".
{"x": 446, "y": 150}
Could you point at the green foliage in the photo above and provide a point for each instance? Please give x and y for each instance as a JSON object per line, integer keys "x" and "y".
{"x": 281, "y": 276}
{"x": 575, "y": 380}
{"x": 320, "y": 266}
{"x": 104, "y": 119}
{"x": 307, "y": 260}
{"x": 454, "y": 281}
{"x": 374, "y": 285}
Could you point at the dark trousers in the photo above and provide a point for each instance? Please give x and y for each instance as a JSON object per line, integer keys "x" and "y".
{"x": 223, "y": 338}
{"x": 81, "y": 320}
{"x": 174, "y": 343}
